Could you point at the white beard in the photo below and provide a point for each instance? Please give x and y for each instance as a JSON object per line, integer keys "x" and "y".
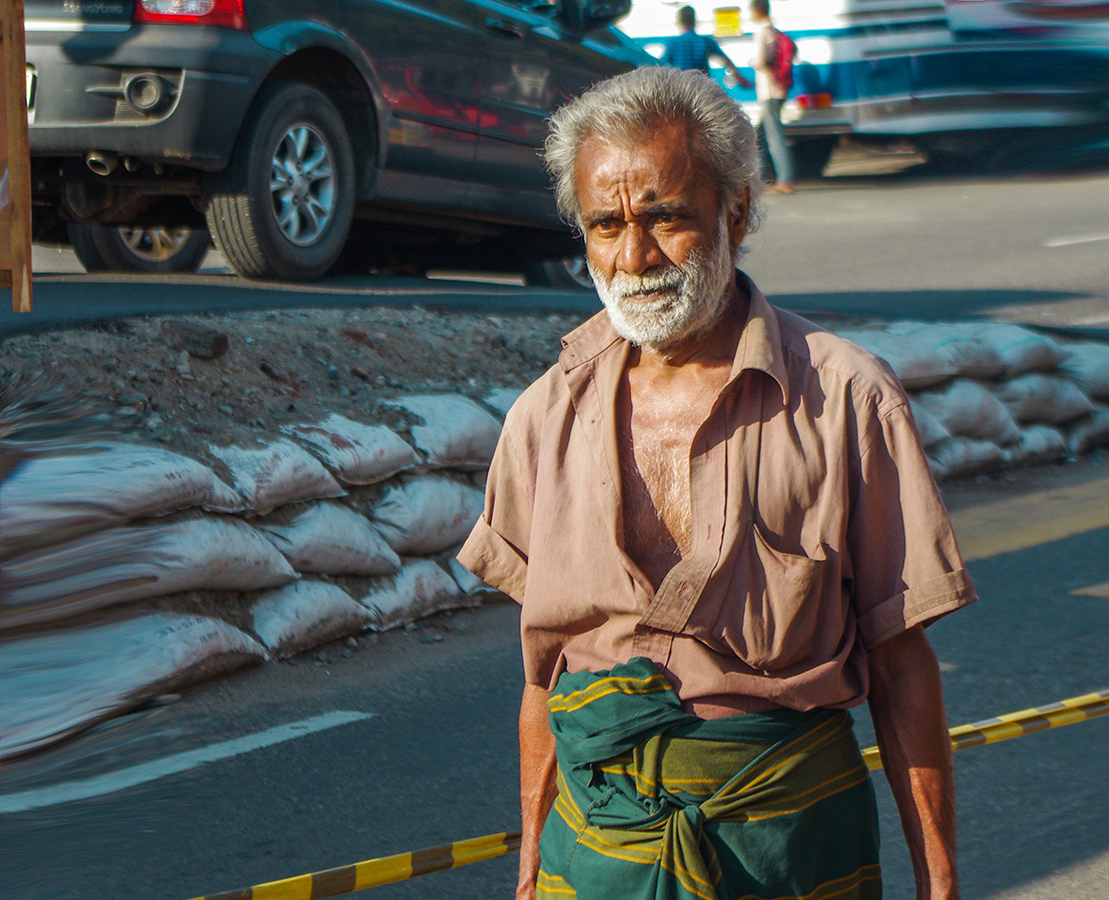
{"x": 691, "y": 301}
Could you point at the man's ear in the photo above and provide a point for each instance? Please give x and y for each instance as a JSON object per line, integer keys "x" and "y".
{"x": 737, "y": 218}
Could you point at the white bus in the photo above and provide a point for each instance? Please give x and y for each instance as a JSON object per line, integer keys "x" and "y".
{"x": 990, "y": 79}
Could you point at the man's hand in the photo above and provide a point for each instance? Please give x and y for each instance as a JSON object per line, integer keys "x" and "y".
{"x": 906, "y": 703}
{"x": 537, "y": 783}
{"x": 737, "y": 78}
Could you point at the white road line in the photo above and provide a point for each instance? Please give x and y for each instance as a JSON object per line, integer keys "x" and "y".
{"x": 1066, "y": 242}
{"x": 72, "y": 791}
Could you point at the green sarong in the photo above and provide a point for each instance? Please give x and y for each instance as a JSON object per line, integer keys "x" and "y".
{"x": 657, "y": 804}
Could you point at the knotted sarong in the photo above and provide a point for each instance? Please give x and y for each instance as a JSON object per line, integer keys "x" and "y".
{"x": 657, "y": 804}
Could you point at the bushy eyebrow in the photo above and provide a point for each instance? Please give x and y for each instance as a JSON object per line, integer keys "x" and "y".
{"x": 681, "y": 210}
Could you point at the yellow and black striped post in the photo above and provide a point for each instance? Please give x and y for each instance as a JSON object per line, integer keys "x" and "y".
{"x": 1018, "y": 724}
{"x": 376, "y": 872}
{"x": 387, "y": 869}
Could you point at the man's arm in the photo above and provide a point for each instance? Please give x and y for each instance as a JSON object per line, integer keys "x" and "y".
{"x": 731, "y": 69}
{"x": 906, "y": 703}
{"x": 537, "y": 782}
{"x": 729, "y": 66}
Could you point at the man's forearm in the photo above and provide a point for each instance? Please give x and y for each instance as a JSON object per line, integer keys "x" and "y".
{"x": 906, "y": 703}
{"x": 537, "y": 782}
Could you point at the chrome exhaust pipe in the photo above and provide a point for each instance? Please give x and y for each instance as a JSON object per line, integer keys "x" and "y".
{"x": 102, "y": 162}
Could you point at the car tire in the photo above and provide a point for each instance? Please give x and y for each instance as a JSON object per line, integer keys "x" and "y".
{"x": 283, "y": 207}
{"x": 571, "y": 273}
{"x": 156, "y": 249}
{"x": 810, "y": 156}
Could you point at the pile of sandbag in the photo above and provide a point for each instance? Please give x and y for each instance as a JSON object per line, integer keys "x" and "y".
{"x": 988, "y": 395}
{"x": 337, "y": 526}
{"x": 332, "y": 528}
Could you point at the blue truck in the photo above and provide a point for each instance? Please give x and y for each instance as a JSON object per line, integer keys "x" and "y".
{"x": 985, "y": 80}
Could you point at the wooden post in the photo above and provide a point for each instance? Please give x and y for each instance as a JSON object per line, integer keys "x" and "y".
{"x": 15, "y": 159}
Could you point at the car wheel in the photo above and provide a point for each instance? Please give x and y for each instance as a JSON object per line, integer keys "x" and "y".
{"x": 810, "y": 156}
{"x": 283, "y": 207}
{"x": 570, "y": 272}
{"x": 108, "y": 248}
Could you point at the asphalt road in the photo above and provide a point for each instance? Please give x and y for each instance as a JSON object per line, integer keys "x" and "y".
{"x": 1031, "y": 249}
{"x": 436, "y": 761}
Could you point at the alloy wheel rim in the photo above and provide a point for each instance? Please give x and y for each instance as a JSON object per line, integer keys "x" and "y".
{"x": 302, "y": 185}
{"x": 155, "y": 244}
{"x": 578, "y": 270}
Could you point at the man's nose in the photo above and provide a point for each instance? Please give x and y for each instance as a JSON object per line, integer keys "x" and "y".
{"x": 639, "y": 251}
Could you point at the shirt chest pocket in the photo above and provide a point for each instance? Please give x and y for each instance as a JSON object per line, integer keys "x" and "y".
{"x": 768, "y": 613}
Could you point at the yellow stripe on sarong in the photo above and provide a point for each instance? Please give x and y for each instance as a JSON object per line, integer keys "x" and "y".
{"x": 604, "y": 687}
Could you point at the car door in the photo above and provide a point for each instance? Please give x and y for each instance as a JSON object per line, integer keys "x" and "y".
{"x": 531, "y": 65}
{"x": 422, "y": 54}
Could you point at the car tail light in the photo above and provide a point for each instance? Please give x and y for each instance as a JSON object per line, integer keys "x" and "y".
{"x": 218, "y": 13}
{"x": 822, "y": 100}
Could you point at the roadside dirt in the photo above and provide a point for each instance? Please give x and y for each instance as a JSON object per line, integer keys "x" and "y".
{"x": 281, "y": 368}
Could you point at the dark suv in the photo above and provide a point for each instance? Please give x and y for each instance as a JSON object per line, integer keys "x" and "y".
{"x": 282, "y": 124}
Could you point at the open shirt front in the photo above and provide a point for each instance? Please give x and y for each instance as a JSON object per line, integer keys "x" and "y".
{"x": 818, "y": 531}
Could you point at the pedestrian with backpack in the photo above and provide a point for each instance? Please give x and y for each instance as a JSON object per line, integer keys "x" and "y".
{"x": 773, "y": 65}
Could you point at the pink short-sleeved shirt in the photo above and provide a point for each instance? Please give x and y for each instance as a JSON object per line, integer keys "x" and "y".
{"x": 818, "y": 531}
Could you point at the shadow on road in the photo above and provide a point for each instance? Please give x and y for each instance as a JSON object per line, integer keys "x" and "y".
{"x": 64, "y": 301}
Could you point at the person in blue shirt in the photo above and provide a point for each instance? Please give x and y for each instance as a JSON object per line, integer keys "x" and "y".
{"x": 690, "y": 50}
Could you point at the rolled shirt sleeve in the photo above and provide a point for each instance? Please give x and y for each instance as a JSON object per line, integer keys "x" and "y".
{"x": 497, "y": 549}
{"x": 906, "y": 567}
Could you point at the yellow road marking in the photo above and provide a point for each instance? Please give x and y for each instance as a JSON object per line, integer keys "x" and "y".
{"x": 1096, "y": 590}
{"x": 1008, "y": 525}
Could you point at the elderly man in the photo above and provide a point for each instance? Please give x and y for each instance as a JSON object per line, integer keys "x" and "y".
{"x": 723, "y": 534}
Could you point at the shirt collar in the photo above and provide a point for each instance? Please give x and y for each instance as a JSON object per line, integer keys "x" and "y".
{"x": 760, "y": 344}
{"x": 759, "y": 347}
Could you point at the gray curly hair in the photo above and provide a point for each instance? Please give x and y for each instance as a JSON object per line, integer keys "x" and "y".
{"x": 626, "y": 109}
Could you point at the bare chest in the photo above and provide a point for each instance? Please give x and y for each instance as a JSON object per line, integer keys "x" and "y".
{"x": 658, "y": 431}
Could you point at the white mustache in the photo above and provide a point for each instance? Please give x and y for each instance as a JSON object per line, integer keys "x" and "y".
{"x": 624, "y": 284}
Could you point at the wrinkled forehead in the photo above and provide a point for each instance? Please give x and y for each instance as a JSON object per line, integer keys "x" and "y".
{"x": 661, "y": 162}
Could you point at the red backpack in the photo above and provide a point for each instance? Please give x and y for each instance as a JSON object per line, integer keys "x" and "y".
{"x": 782, "y": 54}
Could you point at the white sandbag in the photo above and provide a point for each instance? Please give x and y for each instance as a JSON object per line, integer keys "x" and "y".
{"x": 1087, "y": 365}
{"x": 1021, "y": 350}
{"x": 279, "y": 473}
{"x": 964, "y": 456}
{"x": 1038, "y": 443}
{"x": 1089, "y": 432}
{"x": 501, "y": 399}
{"x": 968, "y": 409}
{"x": 50, "y": 499}
{"x": 470, "y": 585}
{"x": 425, "y": 515}
{"x": 59, "y": 683}
{"x": 958, "y": 343}
{"x": 420, "y": 589}
{"x": 329, "y": 538}
{"x": 931, "y": 430}
{"x": 138, "y": 562}
{"x": 1044, "y": 399}
{"x": 456, "y": 433}
{"x": 915, "y": 363}
{"x": 298, "y": 616}
{"x": 356, "y": 453}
